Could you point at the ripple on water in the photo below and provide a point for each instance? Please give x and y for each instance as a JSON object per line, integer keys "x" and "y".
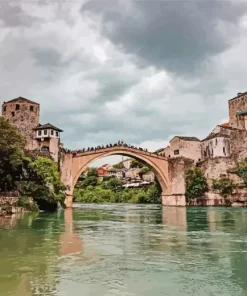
{"x": 134, "y": 250}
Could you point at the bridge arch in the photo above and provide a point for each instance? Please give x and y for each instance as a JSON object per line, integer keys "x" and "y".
{"x": 158, "y": 163}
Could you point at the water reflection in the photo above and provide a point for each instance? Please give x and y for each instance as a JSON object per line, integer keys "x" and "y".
{"x": 70, "y": 242}
{"x": 125, "y": 250}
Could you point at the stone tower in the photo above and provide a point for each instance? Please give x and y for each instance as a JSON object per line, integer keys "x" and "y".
{"x": 24, "y": 114}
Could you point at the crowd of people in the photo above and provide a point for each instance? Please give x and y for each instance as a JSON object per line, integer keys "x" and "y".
{"x": 119, "y": 143}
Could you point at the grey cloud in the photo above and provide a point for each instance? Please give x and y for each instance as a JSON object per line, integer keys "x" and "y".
{"x": 155, "y": 114}
{"x": 46, "y": 57}
{"x": 177, "y": 35}
{"x": 12, "y": 15}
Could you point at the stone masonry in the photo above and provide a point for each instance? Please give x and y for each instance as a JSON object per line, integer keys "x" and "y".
{"x": 24, "y": 114}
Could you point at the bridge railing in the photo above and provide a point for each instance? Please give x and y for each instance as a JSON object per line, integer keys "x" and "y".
{"x": 116, "y": 147}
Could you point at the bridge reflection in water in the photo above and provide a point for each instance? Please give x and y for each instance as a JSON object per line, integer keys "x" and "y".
{"x": 70, "y": 242}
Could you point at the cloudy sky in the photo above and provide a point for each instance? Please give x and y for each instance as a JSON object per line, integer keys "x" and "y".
{"x": 141, "y": 71}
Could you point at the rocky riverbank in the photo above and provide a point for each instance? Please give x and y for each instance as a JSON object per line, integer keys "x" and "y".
{"x": 8, "y": 204}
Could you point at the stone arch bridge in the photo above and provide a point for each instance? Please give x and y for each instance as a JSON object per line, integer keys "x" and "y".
{"x": 169, "y": 173}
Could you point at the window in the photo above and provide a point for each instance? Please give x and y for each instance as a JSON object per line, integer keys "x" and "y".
{"x": 176, "y": 152}
{"x": 39, "y": 133}
{"x": 4, "y": 108}
{"x": 13, "y": 114}
{"x": 205, "y": 153}
{"x": 224, "y": 150}
{"x": 17, "y": 107}
{"x": 45, "y": 132}
{"x": 216, "y": 141}
{"x": 57, "y": 134}
{"x": 31, "y": 108}
{"x": 52, "y": 132}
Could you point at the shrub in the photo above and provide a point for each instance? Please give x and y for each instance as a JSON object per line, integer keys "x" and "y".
{"x": 27, "y": 204}
{"x": 242, "y": 170}
{"x": 196, "y": 183}
{"x": 224, "y": 186}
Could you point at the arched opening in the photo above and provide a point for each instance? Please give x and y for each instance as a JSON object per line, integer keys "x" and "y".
{"x": 45, "y": 148}
{"x": 83, "y": 161}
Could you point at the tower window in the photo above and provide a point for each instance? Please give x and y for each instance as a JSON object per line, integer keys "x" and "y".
{"x": 52, "y": 132}
{"x": 4, "y": 108}
{"x": 176, "y": 152}
{"x": 224, "y": 150}
{"x": 31, "y": 108}
{"x": 45, "y": 132}
{"x": 13, "y": 114}
{"x": 17, "y": 107}
{"x": 57, "y": 134}
{"x": 39, "y": 133}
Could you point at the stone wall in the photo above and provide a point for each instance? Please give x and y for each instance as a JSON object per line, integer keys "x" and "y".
{"x": 238, "y": 144}
{"x": 237, "y": 104}
{"x": 65, "y": 164}
{"x": 215, "y": 168}
{"x": 187, "y": 148}
{"x": 177, "y": 169}
{"x": 216, "y": 147}
{"x": 8, "y": 198}
{"x": 25, "y": 116}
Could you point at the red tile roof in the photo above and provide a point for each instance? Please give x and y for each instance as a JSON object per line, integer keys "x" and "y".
{"x": 225, "y": 124}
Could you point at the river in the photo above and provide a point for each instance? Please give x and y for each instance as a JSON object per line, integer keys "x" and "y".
{"x": 126, "y": 250}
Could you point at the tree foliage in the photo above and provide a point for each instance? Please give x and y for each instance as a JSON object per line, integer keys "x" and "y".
{"x": 136, "y": 164}
{"x": 11, "y": 155}
{"x": 144, "y": 170}
{"x": 92, "y": 172}
{"x": 119, "y": 165}
{"x": 36, "y": 177}
{"x": 105, "y": 192}
{"x": 41, "y": 181}
{"x": 196, "y": 183}
{"x": 242, "y": 170}
{"x": 224, "y": 186}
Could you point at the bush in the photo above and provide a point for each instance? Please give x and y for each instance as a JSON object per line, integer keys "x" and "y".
{"x": 242, "y": 170}
{"x": 196, "y": 183}
{"x": 224, "y": 186}
{"x": 26, "y": 203}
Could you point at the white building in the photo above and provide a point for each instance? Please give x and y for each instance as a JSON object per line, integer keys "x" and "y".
{"x": 217, "y": 143}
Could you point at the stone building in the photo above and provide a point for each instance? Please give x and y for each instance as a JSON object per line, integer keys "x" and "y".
{"x": 189, "y": 147}
{"x": 102, "y": 171}
{"x": 133, "y": 173}
{"x": 148, "y": 177}
{"x": 118, "y": 173}
{"x": 238, "y": 111}
{"x": 126, "y": 163}
{"x": 217, "y": 143}
{"x": 24, "y": 115}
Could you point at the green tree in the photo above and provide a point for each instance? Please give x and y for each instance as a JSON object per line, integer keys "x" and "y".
{"x": 225, "y": 186}
{"x": 111, "y": 183}
{"x": 92, "y": 172}
{"x": 119, "y": 165}
{"x": 136, "y": 164}
{"x": 11, "y": 154}
{"x": 242, "y": 170}
{"x": 41, "y": 181}
{"x": 90, "y": 181}
{"x": 196, "y": 183}
{"x": 144, "y": 170}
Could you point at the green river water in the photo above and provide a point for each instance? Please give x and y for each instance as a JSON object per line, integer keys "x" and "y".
{"x": 127, "y": 250}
